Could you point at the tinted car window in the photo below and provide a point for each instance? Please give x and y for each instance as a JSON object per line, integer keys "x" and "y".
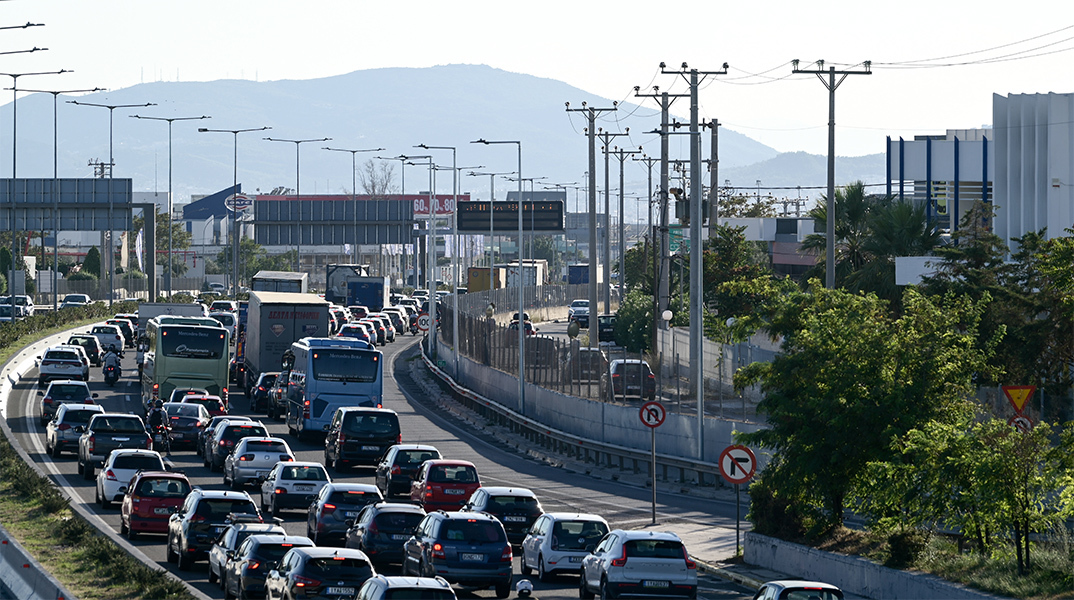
{"x": 273, "y": 552}
{"x": 576, "y": 535}
{"x": 263, "y": 446}
{"x": 386, "y": 423}
{"x": 407, "y": 520}
{"x": 352, "y": 497}
{"x": 654, "y": 549}
{"x": 143, "y": 462}
{"x": 119, "y": 425}
{"x": 453, "y": 474}
{"x": 68, "y": 390}
{"x": 218, "y": 509}
{"x": 79, "y": 416}
{"x": 418, "y": 594}
{"x": 306, "y": 473}
{"x": 339, "y": 567}
{"x": 183, "y": 410}
{"x": 414, "y": 457}
{"x": 163, "y": 488}
{"x": 472, "y": 531}
{"x": 62, "y": 355}
{"x": 237, "y": 432}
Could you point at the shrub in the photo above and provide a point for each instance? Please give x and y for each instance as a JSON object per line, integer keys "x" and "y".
{"x": 904, "y": 548}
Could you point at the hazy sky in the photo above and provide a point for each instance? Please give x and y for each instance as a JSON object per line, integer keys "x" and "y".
{"x": 603, "y": 48}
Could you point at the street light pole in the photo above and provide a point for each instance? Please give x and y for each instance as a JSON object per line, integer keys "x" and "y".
{"x": 170, "y": 120}
{"x": 521, "y": 300}
{"x": 111, "y": 201}
{"x": 402, "y": 194}
{"x": 298, "y": 193}
{"x": 354, "y": 186}
{"x": 492, "y": 204}
{"x": 235, "y": 191}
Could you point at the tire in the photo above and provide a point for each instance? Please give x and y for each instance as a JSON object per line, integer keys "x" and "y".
{"x": 40, "y": 382}
{"x": 328, "y": 464}
{"x": 81, "y": 467}
{"x": 583, "y": 591}
{"x": 101, "y": 500}
{"x": 523, "y": 568}
{"x": 605, "y": 592}
{"x": 227, "y": 592}
{"x": 542, "y": 575}
{"x": 503, "y": 589}
{"x": 271, "y": 412}
{"x": 87, "y": 472}
{"x": 49, "y": 449}
{"x": 131, "y": 534}
{"x": 205, "y": 461}
{"x": 183, "y": 561}
{"x": 212, "y": 576}
{"x": 213, "y": 467}
{"x": 273, "y": 509}
{"x": 172, "y": 556}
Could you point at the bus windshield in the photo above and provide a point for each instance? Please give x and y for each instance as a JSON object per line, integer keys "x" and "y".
{"x": 193, "y": 342}
{"x": 332, "y": 364}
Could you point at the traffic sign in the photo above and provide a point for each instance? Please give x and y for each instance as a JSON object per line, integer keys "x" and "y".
{"x": 1021, "y": 423}
{"x": 424, "y": 321}
{"x": 737, "y": 464}
{"x": 1018, "y": 395}
{"x": 652, "y": 414}
{"x": 238, "y": 202}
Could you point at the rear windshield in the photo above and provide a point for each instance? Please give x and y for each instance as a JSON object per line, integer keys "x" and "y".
{"x": 225, "y": 320}
{"x": 69, "y": 391}
{"x": 119, "y": 425}
{"x": 163, "y": 488}
{"x": 265, "y": 446}
{"x": 418, "y": 594}
{"x": 193, "y": 342}
{"x": 415, "y": 457}
{"x": 654, "y": 549}
{"x": 514, "y": 504}
{"x": 268, "y": 380}
{"x": 142, "y": 462}
{"x": 398, "y": 521}
{"x": 79, "y": 416}
{"x": 339, "y": 567}
{"x": 274, "y": 552}
{"x": 353, "y": 497}
{"x": 182, "y": 410}
{"x": 62, "y": 355}
{"x": 208, "y": 403}
{"x": 237, "y": 432}
{"x": 811, "y": 595}
{"x": 375, "y": 423}
{"x": 631, "y": 368}
{"x": 304, "y": 473}
{"x": 576, "y": 535}
{"x": 218, "y": 510}
{"x": 453, "y": 474}
{"x": 477, "y": 531}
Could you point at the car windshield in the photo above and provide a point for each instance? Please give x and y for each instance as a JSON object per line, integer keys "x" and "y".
{"x": 580, "y": 304}
{"x": 339, "y": 567}
{"x": 472, "y": 531}
{"x": 268, "y": 380}
{"x": 182, "y": 410}
{"x": 576, "y": 535}
{"x": 212, "y": 403}
{"x": 163, "y": 488}
{"x": 274, "y": 552}
{"x": 375, "y": 423}
{"x": 266, "y": 446}
{"x": 631, "y": 368}
{"x": 398, "y": 521}
{"x": 227, "y": 320}
{"x": 811, "y": 594}
{"x": 79, "y": 416}
{"x": 418, "y": 594}
{"x": 62, "y": 355}
{"x": 138, "y": 462}
{"x": 453, "y": 474}
{"x": 330, "y": 364}
{"x": 654, "y": 549}
{"x": 305, "y": 473}
{"x": 193, "y": 342}
{"x": 237, "y": 432}
{"x": 353, "y": 497}
{"x": 119, "y": 424}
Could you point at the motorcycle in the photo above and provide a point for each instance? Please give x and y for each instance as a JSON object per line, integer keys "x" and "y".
{"x": 111, "y": 374}
{"x": 162, "y": 439}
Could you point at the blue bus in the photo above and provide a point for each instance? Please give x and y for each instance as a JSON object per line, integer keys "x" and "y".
{"x": 328, "y": 373}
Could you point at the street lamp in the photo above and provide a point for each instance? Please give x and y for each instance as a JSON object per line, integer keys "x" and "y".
{"x": 521, "y": 301}
{"x": 410, "y": 232}
{"x": 298, "y": 193}
{"x": 170, "y": 120}
{"x": 492, "y": 201}
{"x": 55, "y": 183}
{"x": 455, "y": 250}
{"x": 430, "y": 247}
{"x": 111, "y": 201}
{"x": 235, "y": 191}
{"x": 354, "y": 186}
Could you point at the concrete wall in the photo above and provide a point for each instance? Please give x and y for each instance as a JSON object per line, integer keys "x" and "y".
{"x": 23, "y": 577}
{"x": 852, "y": 574}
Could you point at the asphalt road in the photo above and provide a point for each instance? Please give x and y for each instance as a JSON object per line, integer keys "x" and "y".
{"x": 622, "y": 505}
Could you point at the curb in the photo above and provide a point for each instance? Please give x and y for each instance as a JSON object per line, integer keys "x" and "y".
{"x": 732, "y": 576}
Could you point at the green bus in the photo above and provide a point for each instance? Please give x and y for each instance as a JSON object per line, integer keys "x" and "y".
{"x": 184, "y": 352}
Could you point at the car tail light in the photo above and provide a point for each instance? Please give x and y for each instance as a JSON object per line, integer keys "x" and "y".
{"x": 438, "y": 551}
{"x": 110, "y": 475}
{"x": 301, "y": 581}
{"x": 92, "y": 443}
{"x": 615, "y": 375}
{"x": 342, "y": 437}
{"x": 47, "y": 400}
{"x": 286, "y": 458}
{"x": 88, "y": 401}
{"x": 373, "y": 529}
{"x": 689, "y": 563}
{"x": 555, "y": 543}
{"x": 63, "y": 427}
{"x": 223, "y": 396}
{"x": 260, "y": 388}
{"x": 621, "y": 561}
{"x": 306, "y": 409}
{"x": 328, "y": 509}
{"x": 399, "y": 439}
{"x": 279, "y": 490}
{"x": 148, "y": 443}
{"x": 227, "y": 443}
{"x": 253, "y": 565}
{"x": 396, "y": 470}
{"x": 246, "y": 457}
{"x": 197, "y": 519}
{"x": 156, "y": 391}
{"x": 48, "y": 362}
{"x": 507, "y": 555}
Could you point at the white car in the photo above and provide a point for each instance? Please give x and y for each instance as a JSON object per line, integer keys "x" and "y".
{"x": 557, "y": 542}
{"x": 798, "y": 588}
{"x": 119, "y": 468}
{"x": 108, "y": 335}
{"x": 292, "y": 484}
{"x": 227, "y": 320}
{"x": 640, "y": 563}
{"x": 62, "y": 362}
{"x": 253, "y": 458}
{"x": 24, "y": 305}
{"x": 578, "y": 311}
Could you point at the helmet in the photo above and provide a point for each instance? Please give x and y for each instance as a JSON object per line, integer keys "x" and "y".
{"x": 524, "y": 588}
{"x": 158, "y": 404}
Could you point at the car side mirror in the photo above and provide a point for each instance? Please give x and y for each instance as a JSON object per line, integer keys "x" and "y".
{"x": 123, "y": 489}
{"x": 80, "y": 429}
{"x": 277, "y": 521}
{"x": 229, "y": 553}
{"x": 40, "y": 392}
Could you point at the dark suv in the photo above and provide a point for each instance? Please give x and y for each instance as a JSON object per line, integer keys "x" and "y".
{"x": 466, "y": 548}
{"x": 244, "y": 572}
{"x": 258, "y": 395}
{"x": 203, "y": 515}
{"x": 358, "y": 435}
{"x": 224, "y": 438}
{"x": 515, "y": 508}
{"x": 381, "y": 529}
{"x": 399, "y": 465}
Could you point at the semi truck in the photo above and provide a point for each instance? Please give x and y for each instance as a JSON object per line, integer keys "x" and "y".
{"x": 347, "y": 285}
{"x": 280, "y": 281}
{"x": 533, "y": 273}
{"x": 479, "y": 279}
{"x": 274, "y": 321}
{"x": 579, "y": 274}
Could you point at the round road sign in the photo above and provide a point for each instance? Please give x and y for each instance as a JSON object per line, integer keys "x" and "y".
{"x": 424, "y": 322}
{"x": 1021, "y": 423}
{"x": 737, "y": 464}
{"x": 652, "y": 414}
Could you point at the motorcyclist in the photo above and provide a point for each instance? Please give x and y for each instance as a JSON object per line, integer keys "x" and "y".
{"x": 110, "y": 358}
{"x": 158, "y": 419}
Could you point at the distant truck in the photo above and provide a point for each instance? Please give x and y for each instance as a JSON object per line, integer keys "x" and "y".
{"x": 533, "y": 272}
{"x": 148, "y": 310}
{"x": 280, "y": 281}
{"x": 274, "y": 321}
{"x": 479, "y": 279}
{"x": 579, "y": 274}
{"x": 348, "y": 285}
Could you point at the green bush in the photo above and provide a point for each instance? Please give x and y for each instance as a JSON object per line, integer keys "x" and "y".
{"x": 904, "y": 548}
{"x": 775, "y": 516}
{"x": 82, "y": 276}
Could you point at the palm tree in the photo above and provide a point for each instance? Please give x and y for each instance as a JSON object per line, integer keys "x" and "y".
{"x": 895, "y": 228}
{"x": 851, "y": 230}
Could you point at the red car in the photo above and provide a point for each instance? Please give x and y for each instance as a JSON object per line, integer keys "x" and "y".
{"x": 214, "y": 404}
{"x": 444, "y": 484}
{"x": 151, "y": 498}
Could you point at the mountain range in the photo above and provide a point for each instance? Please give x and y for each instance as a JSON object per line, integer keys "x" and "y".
{"x": 392, "y": 108}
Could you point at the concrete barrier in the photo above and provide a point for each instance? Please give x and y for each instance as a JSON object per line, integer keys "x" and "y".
{"x": 23, "y": 576}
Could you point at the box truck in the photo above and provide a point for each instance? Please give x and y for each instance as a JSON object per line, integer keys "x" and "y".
{"x": 274, "y": 321}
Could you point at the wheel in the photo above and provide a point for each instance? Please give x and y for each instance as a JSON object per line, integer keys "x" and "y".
{"x": 523, "y": 567}
{"x": 605, "y": 592}
{"x": 131, "y": 534}
{"x": 212, "y": 576}
{"x": 541, "y": 573}
{"x": 215, "y": 468}
{"x": 273, "y": 509}
{"x": 503, "y": 589}
{"x": 40, "y": 382}
{"x": 227, "y": 590}
{"x": 101, "y": 500}
{"x": 49, "y": 449}
{"x": 583, "y": 591}
{"x": 87, "y": 472}
{"x": 271, "y": 412}
{"x": 81, "y": 467}
{"x": 205, "y": 461}
{"x": 183, "y": 561}
{"x": 328, "y": 464}
{"x": 172, "y": 556}
{"x": 339, "y": 468}
{"x": 292, "y": 431}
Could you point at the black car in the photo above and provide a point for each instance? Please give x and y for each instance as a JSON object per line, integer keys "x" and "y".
{"x": 277, "y": 397}
{"x": 515, "y": 508}
{"x": 399, "y": 465}
{"x": 245, "y": 570}
{"x": 207, "y": 430}
{"x": 186, "y": 421}
{"x": 202, "y": 517}
{"x": 381, "y": 530}
{"x": 225, "y": 436}
{"x": 318, "y": 573}
{"x": 259, "y": 394}
{"x": 470, "y": 549}
{"x": 359, "y": 435}
{"x": 336, "y": 505}
{"x": 606, "y": 328}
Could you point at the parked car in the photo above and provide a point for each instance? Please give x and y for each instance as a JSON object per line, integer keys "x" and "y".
{"x": 254, "y": 457}
{"x": 639, "y": 563}
{"x": 258, "y": 395}
{"x": 628, "y": 378}
{"x": 381, "y": 529}
{"x": 106, "y": 432}
{"x": 380, "y": 587}
{"x": 318, "y": 573}
{"x": 90, "y": 344}
{"x": 515, "y": 508}
{"x": 397, "y": 468}
{"x": 225, "y": 436}
{"x": 60, "y": 431}
{"x": 149, "y": 501}
{"x": 557, "y": 543}
{"x": 292, "y": 485}
{"x": 444, "y": 484}
{"x": 796, "y": 589}
{"x": 203, "y": 515}
{"x": 229, "y": 540}
{"x": 466, "y": 548}
{"x": 60, "y": 392}
{"x": 62, "y": 362}
{"x": 359, "y": 436}
{"x": 245, "y": 570}
{"x": 119, "y": 468}
{"x": 186, "y": 421}
{"x": 336, "y": 505}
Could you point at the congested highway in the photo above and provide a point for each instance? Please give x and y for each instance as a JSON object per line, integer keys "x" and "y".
{"x": 622, "y": 505}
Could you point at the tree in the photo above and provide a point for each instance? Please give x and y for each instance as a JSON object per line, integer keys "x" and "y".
{"x": 894, "y": 228}
{"x": 180, "y": 241}
{"x": 544, "y": 248}
{"x": 852, "y": 208}
{"x": 375, "y": 178}
{"x": 639, "y": 268}
{"x": 634, "y": 320}
{"x": 745, "y": 206}
{"x": 729, "y": 257}
{"x": 92, "y": 263}
{"x": 850, "y": 379}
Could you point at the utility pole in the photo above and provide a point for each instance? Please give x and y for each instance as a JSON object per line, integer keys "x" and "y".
{"x": 622, "y": 155}
{"x": 696, "y": 267}
{"x": 832, "y": 85}
{"x": 591, "y": 133}
{"x": 714, "y": 178}
{"x": 606, "y": 137}
{"x": 649, "y": 162}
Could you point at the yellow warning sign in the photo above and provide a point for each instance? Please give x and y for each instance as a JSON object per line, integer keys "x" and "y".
{"x": 1018, "y": 395}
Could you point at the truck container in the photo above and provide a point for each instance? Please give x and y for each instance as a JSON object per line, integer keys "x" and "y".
{"x": 148, "y": 310}
{"x": 479, "y": 279}
{"x": 579, "y": 274}
{"x": 274, "y": 321}
{"x": 534, "y": 273}
{"x": 280, "y": 281}
{"x": 346, "y": 286}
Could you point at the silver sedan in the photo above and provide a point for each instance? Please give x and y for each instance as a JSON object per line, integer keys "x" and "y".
{"x": 253, "y": 458}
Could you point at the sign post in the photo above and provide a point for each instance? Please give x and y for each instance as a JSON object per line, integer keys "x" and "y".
{"x": 652, "y": 415}
{"x": 424, "y": 321}
{"x": 1018, "y": 396}
{"x": 737, "y": 465}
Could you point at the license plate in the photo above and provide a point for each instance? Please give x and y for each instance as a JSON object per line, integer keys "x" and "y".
{"x": 400, "y": 537}
{"x": 469, "y": 557}
{"x": 454, "y": 492}
{"x": 351, "y": 513}
{"x": 574, "y": 559}
{"x": 515, "y": 519}
{"x": 655, "y": 584}
{"x": 261, "y": 474}
{"x": 340, "y": 591}
{"x": 157, "y": 438}
{"x": 161, "y": 511}
{"x": 370, "y": 448}
{"x": 217, "y": 529}
{"x": 304, "y": 488}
